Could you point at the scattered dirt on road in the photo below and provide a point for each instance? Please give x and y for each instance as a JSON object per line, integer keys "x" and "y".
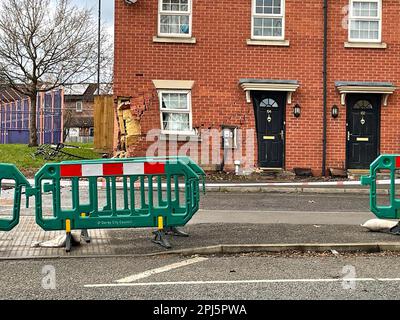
{"x": 297, "y": 254}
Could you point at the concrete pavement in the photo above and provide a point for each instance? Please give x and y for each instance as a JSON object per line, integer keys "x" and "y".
{"x": 224, "y": 219}
{"x": 18, "y": 243}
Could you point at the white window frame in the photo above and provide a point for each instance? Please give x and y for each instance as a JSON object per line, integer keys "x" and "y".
{"x": 76, "y": 106}
{"x": 188, "y": 110}
{"x": 174, "y": 13}
{"x": 379, "y": 19}
{"x": 262, "y": 15}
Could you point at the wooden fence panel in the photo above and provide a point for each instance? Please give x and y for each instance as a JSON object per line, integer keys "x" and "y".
{"x": 104, "y": 115}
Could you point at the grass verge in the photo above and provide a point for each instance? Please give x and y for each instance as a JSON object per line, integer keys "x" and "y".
{"x": 25, "y": 160}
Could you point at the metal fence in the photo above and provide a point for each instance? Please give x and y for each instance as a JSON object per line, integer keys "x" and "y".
{"x": 15, "y": 119}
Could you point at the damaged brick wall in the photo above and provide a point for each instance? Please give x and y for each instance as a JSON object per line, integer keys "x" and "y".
{"x": 130, "y": 112}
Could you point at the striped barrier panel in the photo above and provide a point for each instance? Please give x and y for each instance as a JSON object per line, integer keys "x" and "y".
{"x": 142, "y": 203}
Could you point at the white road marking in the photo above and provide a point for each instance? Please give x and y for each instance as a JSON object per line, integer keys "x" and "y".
{"x": 170, "y": 267}
{"x": 240, "y": 282}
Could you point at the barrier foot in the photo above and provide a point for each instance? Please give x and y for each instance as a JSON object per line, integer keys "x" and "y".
{"x": 85, "y": 236}
{"x": 174, "y": 231}
{"x": 159, "y": 238}
{"x": 68, "y": 242}
{"x": 395, "y": 230}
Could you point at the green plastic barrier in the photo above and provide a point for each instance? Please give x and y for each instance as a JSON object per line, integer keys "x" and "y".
{"x": 151, "y": 195}
{"x": 384, "y": 162}
{"x": 10, "y": 172}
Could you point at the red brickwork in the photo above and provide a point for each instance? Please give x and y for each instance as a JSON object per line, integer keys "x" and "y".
{"x": 221, "y": 57}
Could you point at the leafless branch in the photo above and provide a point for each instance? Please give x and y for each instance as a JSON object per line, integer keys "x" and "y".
{"x": 45, "y": 44}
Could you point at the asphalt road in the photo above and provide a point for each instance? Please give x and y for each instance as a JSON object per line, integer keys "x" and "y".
{"x": 285, "y": 202}
{"x": 232, "y": 201}
{"x": 242, "y": 277}
{"x": 254, "y": 208}
{"x": 228, "y": 277}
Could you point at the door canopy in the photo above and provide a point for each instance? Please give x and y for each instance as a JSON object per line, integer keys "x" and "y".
{"x": 288, "y": 86}
{"x": 383, "y": 88}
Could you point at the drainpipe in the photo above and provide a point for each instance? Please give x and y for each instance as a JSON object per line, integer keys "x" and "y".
{"x": 325, "y": 87}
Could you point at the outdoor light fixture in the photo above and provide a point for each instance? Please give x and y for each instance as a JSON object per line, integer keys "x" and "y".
{"x": 335, "y": 111}
{"x": 130, "y": 1}
{"x": 297, "y": 110}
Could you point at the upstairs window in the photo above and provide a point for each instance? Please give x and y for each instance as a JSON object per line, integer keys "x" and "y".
{"x": 365, "y": 22}
{"x": 79, "y": 106}
{"x": 175, "y": 18}
{"x": 175, "y": 107}
{"x": 268, "y": 19}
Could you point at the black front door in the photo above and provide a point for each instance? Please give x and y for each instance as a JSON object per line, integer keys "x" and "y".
{"x": 363, "y": 120}
{"x": 269, "y": 110}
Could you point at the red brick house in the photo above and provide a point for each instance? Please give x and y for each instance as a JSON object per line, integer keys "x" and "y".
{"x": 315, "y": 79}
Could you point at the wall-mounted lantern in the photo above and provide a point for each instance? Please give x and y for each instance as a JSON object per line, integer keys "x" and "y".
{"x": 335, "y": 111}
{"x": 297, "y": 110}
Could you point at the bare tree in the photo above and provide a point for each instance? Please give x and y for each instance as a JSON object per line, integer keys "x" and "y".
{"x": 45, "y": 44}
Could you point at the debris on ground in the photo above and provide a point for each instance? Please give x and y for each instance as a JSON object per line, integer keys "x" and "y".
{"x": 265, "y": 176}
{"x": 303, "y": 172}
{"x": 58, "y": 242}
{"x": 335, "y": 252}
{"x": 379, "y": 225}
{"x": 337, "y": 172}
{"x": 58, "y": 151}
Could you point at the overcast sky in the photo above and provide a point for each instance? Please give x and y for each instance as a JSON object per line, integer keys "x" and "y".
{"x": 107, "y": 9}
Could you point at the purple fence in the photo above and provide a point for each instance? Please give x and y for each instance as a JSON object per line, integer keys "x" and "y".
{"x": 15, "y": 119}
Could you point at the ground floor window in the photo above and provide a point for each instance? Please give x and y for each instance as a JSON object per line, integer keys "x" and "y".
{"x": 176, "y": 115}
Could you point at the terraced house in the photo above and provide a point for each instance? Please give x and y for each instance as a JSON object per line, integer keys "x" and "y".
{"x": 315, "y": 79}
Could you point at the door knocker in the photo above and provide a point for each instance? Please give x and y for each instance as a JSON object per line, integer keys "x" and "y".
{"x": 362, "y": 117}
{"x": 269, "y": 119}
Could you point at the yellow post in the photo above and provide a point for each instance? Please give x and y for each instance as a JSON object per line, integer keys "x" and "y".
{"x": 68, "y": 226}
{"x": 160, "y": 223}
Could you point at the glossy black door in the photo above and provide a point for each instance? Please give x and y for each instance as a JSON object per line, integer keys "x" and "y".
{"x": 269, "y": 111}
{"x": 363, "y": 120}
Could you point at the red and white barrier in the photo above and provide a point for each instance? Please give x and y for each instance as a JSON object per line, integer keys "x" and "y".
{"x": 110, "y": 169}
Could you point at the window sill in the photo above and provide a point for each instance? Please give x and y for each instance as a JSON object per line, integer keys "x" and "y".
{"x": 280, "y": 43}
{"x": 179, "y": 137}
{"x": 367, "y": 45}
{"x": 174, "y": 40}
